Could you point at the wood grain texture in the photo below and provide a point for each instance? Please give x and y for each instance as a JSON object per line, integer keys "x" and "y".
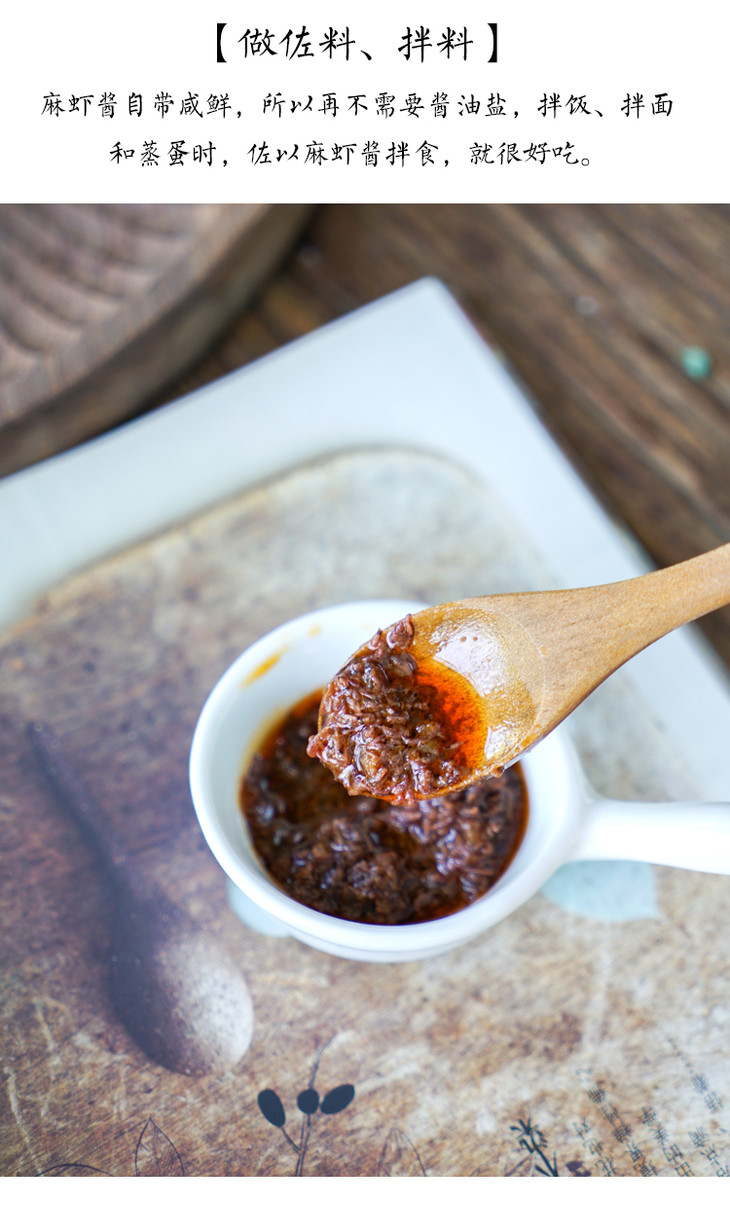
{"x": 591, "y": 304}
{"x": 102, "y": 305}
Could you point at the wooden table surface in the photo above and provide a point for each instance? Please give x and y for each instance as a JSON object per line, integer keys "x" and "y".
{"x": 599, "y": 1047}
{"x": 594, "y": 307}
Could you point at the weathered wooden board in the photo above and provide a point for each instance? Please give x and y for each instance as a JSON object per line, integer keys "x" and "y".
{"x": 592, "y": 304}
{"x": 102, "y": 305}
{"x": 560, "y": 1043}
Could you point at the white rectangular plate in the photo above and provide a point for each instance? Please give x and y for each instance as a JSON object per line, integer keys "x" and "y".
{"x": 408, "y": 370}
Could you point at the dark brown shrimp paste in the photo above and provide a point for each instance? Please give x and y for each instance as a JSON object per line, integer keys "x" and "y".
{"x": 384, "y": 729}
{"x": 369, "y": 860}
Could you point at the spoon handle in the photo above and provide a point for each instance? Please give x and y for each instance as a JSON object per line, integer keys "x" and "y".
{"x": 641, "y": 610}
{"x": 589, "y": 632}
{"x": 682, "y": 592}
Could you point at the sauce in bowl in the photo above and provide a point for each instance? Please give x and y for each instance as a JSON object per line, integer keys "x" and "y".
{"x": 385, "y": 862}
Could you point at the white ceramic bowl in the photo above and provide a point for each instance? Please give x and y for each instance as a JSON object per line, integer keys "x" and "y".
{"x": 566, "y": 820}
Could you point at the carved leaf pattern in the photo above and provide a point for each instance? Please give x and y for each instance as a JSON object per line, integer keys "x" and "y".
{"x": 337, "y": 1099}
{"x": 399, "y": 1157}
{"x": 73, "y": 1170}
{"x": 271, "y": 1107}
{"x": 155, "y": 1155}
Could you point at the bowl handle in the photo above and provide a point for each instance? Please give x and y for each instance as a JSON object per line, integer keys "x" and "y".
{"x": 693, "y": 836}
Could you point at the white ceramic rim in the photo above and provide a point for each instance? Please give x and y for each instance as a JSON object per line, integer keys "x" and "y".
{"x": 532, "y": 864}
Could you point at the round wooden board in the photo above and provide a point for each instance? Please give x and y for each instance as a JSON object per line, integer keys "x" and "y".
{"x": 102, "y": 305}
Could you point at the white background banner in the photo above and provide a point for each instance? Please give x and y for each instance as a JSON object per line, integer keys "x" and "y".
{"x": 493, "y": 101}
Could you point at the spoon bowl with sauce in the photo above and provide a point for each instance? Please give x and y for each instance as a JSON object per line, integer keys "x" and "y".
{"x": 566, "y": 821}
{"x": 458, "y": 692}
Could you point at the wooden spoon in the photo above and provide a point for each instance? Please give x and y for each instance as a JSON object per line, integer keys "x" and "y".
{"x": 508, "y": 668}
{"x": 177, "y": 992}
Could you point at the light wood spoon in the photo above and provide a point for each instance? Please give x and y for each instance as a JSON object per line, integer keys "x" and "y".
{"x": 494, "y": 675}
{"x": 523, "y": 662}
